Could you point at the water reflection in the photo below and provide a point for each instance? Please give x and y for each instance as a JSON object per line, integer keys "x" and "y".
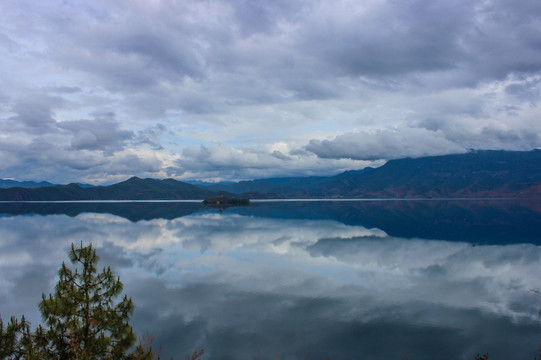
{"x": 480, "y": 221}
{"x": 250, "y": 283}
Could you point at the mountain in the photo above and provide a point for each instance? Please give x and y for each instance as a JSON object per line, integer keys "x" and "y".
{"x": 131, "y": 189}
{"x": 5, "y": 184}
{"x": 477, "y": 174}
{"x": 25, "y": 184}
{"x": 285, "y": 186}
{"x": 487, "y": 173}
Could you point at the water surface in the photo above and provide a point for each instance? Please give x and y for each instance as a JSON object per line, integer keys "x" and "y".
{"x": 364, "y": 280}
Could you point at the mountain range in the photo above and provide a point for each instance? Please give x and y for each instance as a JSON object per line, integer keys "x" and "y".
{"x": 7, "y": 183}
{"x": 476, "y": 174}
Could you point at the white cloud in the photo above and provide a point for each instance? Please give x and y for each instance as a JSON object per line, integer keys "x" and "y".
{"x": 385, "y": 144}
{"x": 224, "y": 162}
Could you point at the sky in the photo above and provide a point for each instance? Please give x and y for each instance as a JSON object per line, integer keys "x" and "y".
{"x": 214, "y": 90}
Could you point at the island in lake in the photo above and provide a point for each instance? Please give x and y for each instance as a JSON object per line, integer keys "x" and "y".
{"x": 221, "y": 201}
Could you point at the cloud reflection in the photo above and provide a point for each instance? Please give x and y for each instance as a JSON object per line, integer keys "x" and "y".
{"x": 241, "y": 285}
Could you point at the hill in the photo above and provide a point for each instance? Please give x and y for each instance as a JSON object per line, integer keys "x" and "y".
{"x": 474, "y": 174}
{"x": 4, "y": 183}
{"x": 131, "y": 189}
{"x": 477, "y": 174}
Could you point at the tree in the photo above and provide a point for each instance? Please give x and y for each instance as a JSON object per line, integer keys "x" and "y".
{"x": 83, "y": 319}
{"x": 83, "y": 309}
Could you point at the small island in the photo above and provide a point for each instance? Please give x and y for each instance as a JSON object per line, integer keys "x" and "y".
{"x": 222, "y": 201}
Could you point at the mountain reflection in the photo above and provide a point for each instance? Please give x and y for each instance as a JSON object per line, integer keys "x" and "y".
{"x": 476, "y": 221}
{"x": 248, "y": 282}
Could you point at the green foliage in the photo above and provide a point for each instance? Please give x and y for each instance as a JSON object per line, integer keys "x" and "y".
{"x": 83, "y": 319}
{"x": 83, "y": 311}
{"x": 13, "y": 338}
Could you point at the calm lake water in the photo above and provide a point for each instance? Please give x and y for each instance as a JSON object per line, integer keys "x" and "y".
{"x": 296, "y": 280}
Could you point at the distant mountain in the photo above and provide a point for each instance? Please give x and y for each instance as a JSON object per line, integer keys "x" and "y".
{"x": 477, "y": 174}
{"x": 25, "y": 184}
{"x": 285, "y": 186}
{"x": 474, "y": 174}
{"x": 5, "y": 184}
{"x": 84, "y": 185}
{"x": 131, "y": 189}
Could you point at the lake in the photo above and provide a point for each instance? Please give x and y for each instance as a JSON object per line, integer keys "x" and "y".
{"x": 433, "y": 279}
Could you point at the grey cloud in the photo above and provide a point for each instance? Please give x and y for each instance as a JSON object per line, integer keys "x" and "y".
{"x": 131, "y": 163}
{"x": 64, "y": 89}
{"x": 311, "y": 39}
{"x": 524, "y": 135}
{"x": 391, "y": 38}
{"x": 102, "y": 133}
{"x": 528, "y": 89}
{"x": 263, "y": 17}
{"x": 384, "y": 144}
{"x": 7, "y": 45}
{"x": 150, "y": 136}
{"x": 134, "y": 52}
{"x": 164, "y": 51}
{"x": 513, "y": 139}
{"x": 35, "y": 113}
{"x": 280, "y": 155}
{"x": 479, "y": 40}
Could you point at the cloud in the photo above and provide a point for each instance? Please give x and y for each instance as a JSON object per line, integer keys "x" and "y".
{"x": 384, "y": 144}
{"x": 64, "y": 89}
{"x": 102, "y": 133}
{"x": 50, "y": 158}
{"x": 387, "y": 38}
{"x": 225, "y": 162}
{"x": 151, "y": 136}
{"x": 34, "y": 113}
{"x": 315, "y": 75}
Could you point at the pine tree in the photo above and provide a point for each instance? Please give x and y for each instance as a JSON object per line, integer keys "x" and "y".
{"x": 83, "y": 319}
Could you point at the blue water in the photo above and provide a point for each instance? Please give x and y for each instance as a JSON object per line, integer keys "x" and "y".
{"x": 355, "y": 279}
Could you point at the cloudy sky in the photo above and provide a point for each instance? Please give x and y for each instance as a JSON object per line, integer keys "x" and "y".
{"x": 97, "y": 91}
